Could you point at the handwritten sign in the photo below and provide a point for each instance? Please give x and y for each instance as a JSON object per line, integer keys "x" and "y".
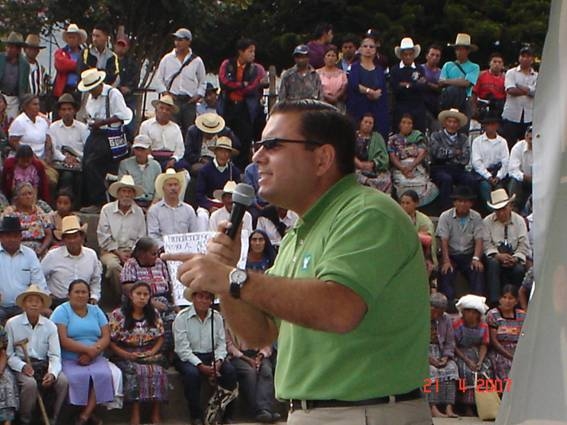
{"x": 193, "y": 243}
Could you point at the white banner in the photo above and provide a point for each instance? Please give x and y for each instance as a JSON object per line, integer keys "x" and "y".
{"x": 193, "y": 243}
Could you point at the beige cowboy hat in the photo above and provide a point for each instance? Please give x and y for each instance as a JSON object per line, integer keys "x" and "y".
{"x": 90, "y": 79}
{"x": 70, "y": 225}
{"x": 453, "y": 113}
{"x": 127, "y": 181}
{"x": 210, "y": 123}
{"x": 223, "y": 142}
{"x": 499, "y": 199}
{"x": 189, "y": 292}
{"x": 407, "y": 44}
{"x": 464, "y": 40}
{"x": 229, "y": 187}
{"x": 33, "y": 289}
{"x": 170, "y": 173}
{"x": 166, "y": 99}
{"x": 74, "y": 29}
{"x": 33, "y": 40}
{"x": 14, "y": 39}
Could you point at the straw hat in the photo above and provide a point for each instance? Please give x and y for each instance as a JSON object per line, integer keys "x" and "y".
{"x": 223, "y": 142}
{"x": 464, "y": 40}
{"x": 33, "y": 40}
{"x": 170, "y": 173}
{"x": 166, "y": 99}
{"x": 499, "y": 199}
{"x": 453, "y": 113}
{"x": 14, "y": 39}
{"x": 229, "y": 187}
{"x": 90, "y": 79}
{"x": 33, "y": 289}
{"x": 407, "y": 44}
{"x": 127, "y": 181}
{"x": 188, "y": 294}
{"x": 74, "y": 29}
{"x": 67, "y": 98}
{"x": 70, "y": 225}
{"x": 210, "y": 123}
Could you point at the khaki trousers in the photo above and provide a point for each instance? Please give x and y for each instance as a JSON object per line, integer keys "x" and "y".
{"x": 29, "y": 393}
{"x": 413, "y": 412}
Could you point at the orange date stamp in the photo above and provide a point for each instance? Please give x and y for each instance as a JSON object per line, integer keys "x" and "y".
{"x": 483, "y": 385}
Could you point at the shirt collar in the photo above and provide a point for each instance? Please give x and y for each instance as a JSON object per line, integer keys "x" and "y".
{"x": 519, "y": 69}
{"x": 26, "y": 322}
{"x": 320, "y": 206}
{"x": 193, "y": 313}
{"x": 218, "y": 167}
{"x": 19, "y": 250}
{"x": 403, "y": 66}
{"x": 61, "y": 124}
{"x": 118, "y": 210}
{"x": 454, "y": 214}
{"x": 162, "y": 203}
{"x": 66, "y": 253}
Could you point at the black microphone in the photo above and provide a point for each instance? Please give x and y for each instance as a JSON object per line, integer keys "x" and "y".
{"x": 242, "y": 197}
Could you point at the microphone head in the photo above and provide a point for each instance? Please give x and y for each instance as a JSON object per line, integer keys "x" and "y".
{"x": 243, "y": 194}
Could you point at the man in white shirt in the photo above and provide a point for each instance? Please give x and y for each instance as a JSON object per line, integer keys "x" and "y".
{"x": 106, "y": 145}
{"x": 171, "y": 215}
{"x": 284, "y": 218}
{"x": 201, "y": 350}
{"x": 68, "y": 137}
{"x": 19, "y": 267}
{"x": 520, "y": 170}
{"x": 166, "y": 139}
{"x": 43, "y": 349}
{"x": 520, "y": 86}
{"x": 225, "y": 196}
{"x": 182, "y": 74}
{"x": 120, "y": 225}
{"x": 490, "y": 158}
{"x": 72, "y": 261}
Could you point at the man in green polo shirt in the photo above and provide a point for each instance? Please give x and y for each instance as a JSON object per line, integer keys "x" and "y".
{"x": 347, "y": 298}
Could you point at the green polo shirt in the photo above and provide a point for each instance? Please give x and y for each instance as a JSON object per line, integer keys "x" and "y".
{"x": 360, "y": 238}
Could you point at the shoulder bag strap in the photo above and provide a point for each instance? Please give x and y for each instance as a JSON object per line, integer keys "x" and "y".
{"x": 174, "y": 76}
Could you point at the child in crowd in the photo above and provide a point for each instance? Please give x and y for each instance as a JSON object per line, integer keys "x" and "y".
{"x": 64, "y": 208}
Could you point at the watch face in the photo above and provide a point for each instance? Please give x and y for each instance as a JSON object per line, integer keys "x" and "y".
{"x": 238, "y": 276}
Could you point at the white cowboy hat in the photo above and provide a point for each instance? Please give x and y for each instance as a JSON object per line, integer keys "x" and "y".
{"x": 464, "y": 40}
{"x": 127, "y": 181}
{"x": 210, "y": 123}
{"x": 453, "y": 113}
{"x": 33, "y": 289}
{"x": 499, "y": 199}
{"x": 74, "y": 29}
{"x": 170, "y": 173}
{"x": 407, "y": 44}
{"x": 223, "y": 142}
{"x": 472, "y": 302}
{"x": 90, "y": 79}
{"x": 70, "y": 225}
{"x": 228, "y": 188}
{"x": 166, "y": 99}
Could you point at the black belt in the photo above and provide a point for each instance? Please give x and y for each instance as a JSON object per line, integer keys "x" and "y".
{"x": 318, "y": 404}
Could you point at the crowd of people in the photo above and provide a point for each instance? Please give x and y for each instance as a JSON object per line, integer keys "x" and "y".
{"x": 447, "y": 137}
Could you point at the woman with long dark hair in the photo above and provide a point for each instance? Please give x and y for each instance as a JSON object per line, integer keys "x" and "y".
{"x": 261, "y": 253}
{"x": 137, "y": 335}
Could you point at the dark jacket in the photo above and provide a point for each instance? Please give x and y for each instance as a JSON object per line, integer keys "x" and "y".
{"x": 194, "y": 141}
{"x": 24, "y": 73}
{"x": 112, "y": 68}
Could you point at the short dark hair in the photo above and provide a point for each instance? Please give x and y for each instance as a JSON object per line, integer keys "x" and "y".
{"x": 434, "y": 46}
{"x": 350, "y": 38}
{"x": 412, "y": 194}
{"x": 495, "y": 55}
{"x": 324, "y": 124}
{"x": 79, "y": 282}
{"x": 510, "y": 289}
{"x": 320, "y": 29}
{"x": 144, "y": 244}
{"x": 244, "y": 43}
{"x": 67, "y": 193}
{"x": 331, "y": 47}
{"x": 102, "y": 26}
{"x": 24, "y": 151}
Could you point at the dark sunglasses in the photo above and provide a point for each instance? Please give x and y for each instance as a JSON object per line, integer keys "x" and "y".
{"x": 274, "y": 142}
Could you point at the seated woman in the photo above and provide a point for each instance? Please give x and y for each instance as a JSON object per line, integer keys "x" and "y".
{"x": 371, "y": 157}
{"x": 9, "y": 395}
{"x": 472, "y": 339}
{"x": 424, "y": 226}
{"x": 37, "y": 233}
{"x": 505, "y": 323}
{"x": 261, "y": 253}
{"x": 443, "y": 372}
{"x": 24, "y": 167}
{"x": 407, "y": 150}
{"x": 84, "y": 335}
{"x": 137, "y": 336}
{"x": 145, "y": 265}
